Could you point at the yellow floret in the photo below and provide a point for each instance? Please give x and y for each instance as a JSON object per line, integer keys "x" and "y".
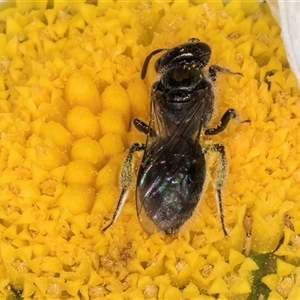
{"x": 111, "y": 121}
{"x": 115, "y": 97}
{"x": 80, "y": 172}
{"x": 57, "y": 133}
{"x": 112, "y": 144}
{"x": 81, "y": 123}
{"x": 109, "y": 174}
{"x": 88, "y": 150}
{"x": 80, "y": 90}
{"x": 77, "y": 199}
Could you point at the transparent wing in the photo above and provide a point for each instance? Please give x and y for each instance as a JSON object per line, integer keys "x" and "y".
{"x": 188, "y": 127}
{"x": 169, "y": 155}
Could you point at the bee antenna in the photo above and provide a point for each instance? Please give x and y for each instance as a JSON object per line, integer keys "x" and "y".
{"x": 147, "y": 60}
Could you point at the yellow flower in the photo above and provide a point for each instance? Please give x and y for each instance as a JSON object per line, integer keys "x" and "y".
{"x": 69, "y": 87}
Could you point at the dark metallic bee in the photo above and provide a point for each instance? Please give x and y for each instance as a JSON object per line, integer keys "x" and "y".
{"x": 172, "y": 172}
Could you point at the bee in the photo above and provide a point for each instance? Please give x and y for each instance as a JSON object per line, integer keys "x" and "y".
{"x": 171, "y": 176}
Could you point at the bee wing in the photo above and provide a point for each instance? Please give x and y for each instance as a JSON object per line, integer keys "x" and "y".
{"x": 195, "y": 117}
{"x": 168, "y": 158}
{"x": 189, "y": 119}
{"x": 189, "y": 126}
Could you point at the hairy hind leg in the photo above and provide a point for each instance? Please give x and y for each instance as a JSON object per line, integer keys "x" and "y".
{"x": 125, "y": 181}
{"x": 218, "y": 177}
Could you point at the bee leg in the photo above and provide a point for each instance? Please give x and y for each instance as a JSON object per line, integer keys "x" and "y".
{"x": 143, "y": 127}
{"x": 247, "y": 224}
{"x": 231, "y": 113}
{"x": 219, "y": 177}
{"x": 125, "y": 180}
{"x": 215, "y": 69}
{"x": 140, "y": 125}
